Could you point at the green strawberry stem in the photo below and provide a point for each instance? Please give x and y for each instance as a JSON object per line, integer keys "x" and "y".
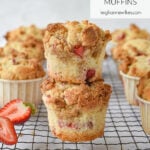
{"x": 32, "y": 106}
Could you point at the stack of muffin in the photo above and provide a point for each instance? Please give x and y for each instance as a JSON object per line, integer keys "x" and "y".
{"x": 74, "y": 93}
{"x": 21, "y": 70}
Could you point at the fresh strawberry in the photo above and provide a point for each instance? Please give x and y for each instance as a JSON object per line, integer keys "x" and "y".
{"x": 16, "y": 111}
{"x": 90, "y": 73}
{"x": 78, "y": 50}
{"x": 7, "y": 131}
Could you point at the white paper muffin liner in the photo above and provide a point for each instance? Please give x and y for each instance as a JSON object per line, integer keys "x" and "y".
{"x": 27, "y": 90}
{"x": 145, "y": 114}
{"x": 130, "y": 83}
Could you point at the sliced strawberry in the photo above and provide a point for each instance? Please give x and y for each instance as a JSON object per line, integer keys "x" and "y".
{"x": 16, "y": 111}
{"x": 7, "y": 131}
{"x": 90, "y": 73}
{"x": 79, "y": 50}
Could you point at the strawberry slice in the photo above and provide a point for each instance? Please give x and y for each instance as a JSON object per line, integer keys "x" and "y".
{"x": 7, "y": 132}
{"x": 16, "y": 111}
{"x": 78, "y": 50}
{"x": 90, "y": 73}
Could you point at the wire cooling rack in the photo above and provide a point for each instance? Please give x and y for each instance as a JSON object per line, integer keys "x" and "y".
{"x": 123, "y": 130}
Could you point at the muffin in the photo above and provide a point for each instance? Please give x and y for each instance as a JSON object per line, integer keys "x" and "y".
{"x": 17, "y": 68}
{"x": 131, "y": 71}
{"x": 131, "y": 48}
{"x": 144, "y": 87}
{"x": 133, "y": 32}
{"x": 30, "y": 48}
{"x": 25, "y": 33}
{"x": 143, "y": 96}
{"x": 136, "y": 67}
{"x": 74, "y": 51}
{"x": 20, "y": 78}
{"x": 76, "y": 112}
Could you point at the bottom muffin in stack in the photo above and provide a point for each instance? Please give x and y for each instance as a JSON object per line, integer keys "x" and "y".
{"x": 76, "y": 112}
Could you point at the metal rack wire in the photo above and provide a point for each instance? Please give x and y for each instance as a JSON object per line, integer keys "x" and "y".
{"x": 123, "y": 130}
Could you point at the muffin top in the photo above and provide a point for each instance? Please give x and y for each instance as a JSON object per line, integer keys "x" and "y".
{"x": 131, "y": 48}
{"x": 74, "y": 98}
{"x": 122, "y": 35}
{"x": 138, "y": 66}
{"x": 25, "y": 32}
{"x": 17, "y": 68}
{"x": 144, "y": 87}
{"x": 31, "y": 48}
{"x": 74, "y": 38}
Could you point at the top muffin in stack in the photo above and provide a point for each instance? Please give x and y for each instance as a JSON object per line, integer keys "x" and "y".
{"x": 74, "y": 51}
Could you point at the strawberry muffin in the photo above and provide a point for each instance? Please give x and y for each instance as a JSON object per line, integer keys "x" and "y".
{"x": 31, "y": 48}
{"x": 144, "y": 87}
{"x": 20, "y": 78}
{"x": 24, "y": 33}
{"x": 143, "y": 96}
{"x": 136, "y": 67}
{"x": 131, "y": 48}
{"x": 17, "y": 68}
{"x": 131, "y": 71}
{"x": 76, "y": 112}
{"x": 75, "y": 51}
{"x": 133, "y": 32}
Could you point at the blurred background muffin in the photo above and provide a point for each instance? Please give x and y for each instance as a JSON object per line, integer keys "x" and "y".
{"x": 143, "y": 97}
{"x": 24, "y": 33}
{"x": 126, "y": 34}
{"x": 20, "y": 78}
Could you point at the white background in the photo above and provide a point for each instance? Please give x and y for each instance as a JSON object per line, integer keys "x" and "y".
{"x": 41, "y": 12}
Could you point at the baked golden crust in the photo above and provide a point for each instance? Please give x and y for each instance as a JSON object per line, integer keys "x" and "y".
{"x": 30, "y": 48}
{"x": 17, "y": 68}
{"x": 64, "y": 37}
{"x": 131, "y": 48}
{"x": 144, "y": 87}
{"x": 71, "y": 100}
{"x": 133, "y": 32}
{"x": 25, "y": 32}
{"x": 74, "y": 49}
{"x": 138, "y": 66}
